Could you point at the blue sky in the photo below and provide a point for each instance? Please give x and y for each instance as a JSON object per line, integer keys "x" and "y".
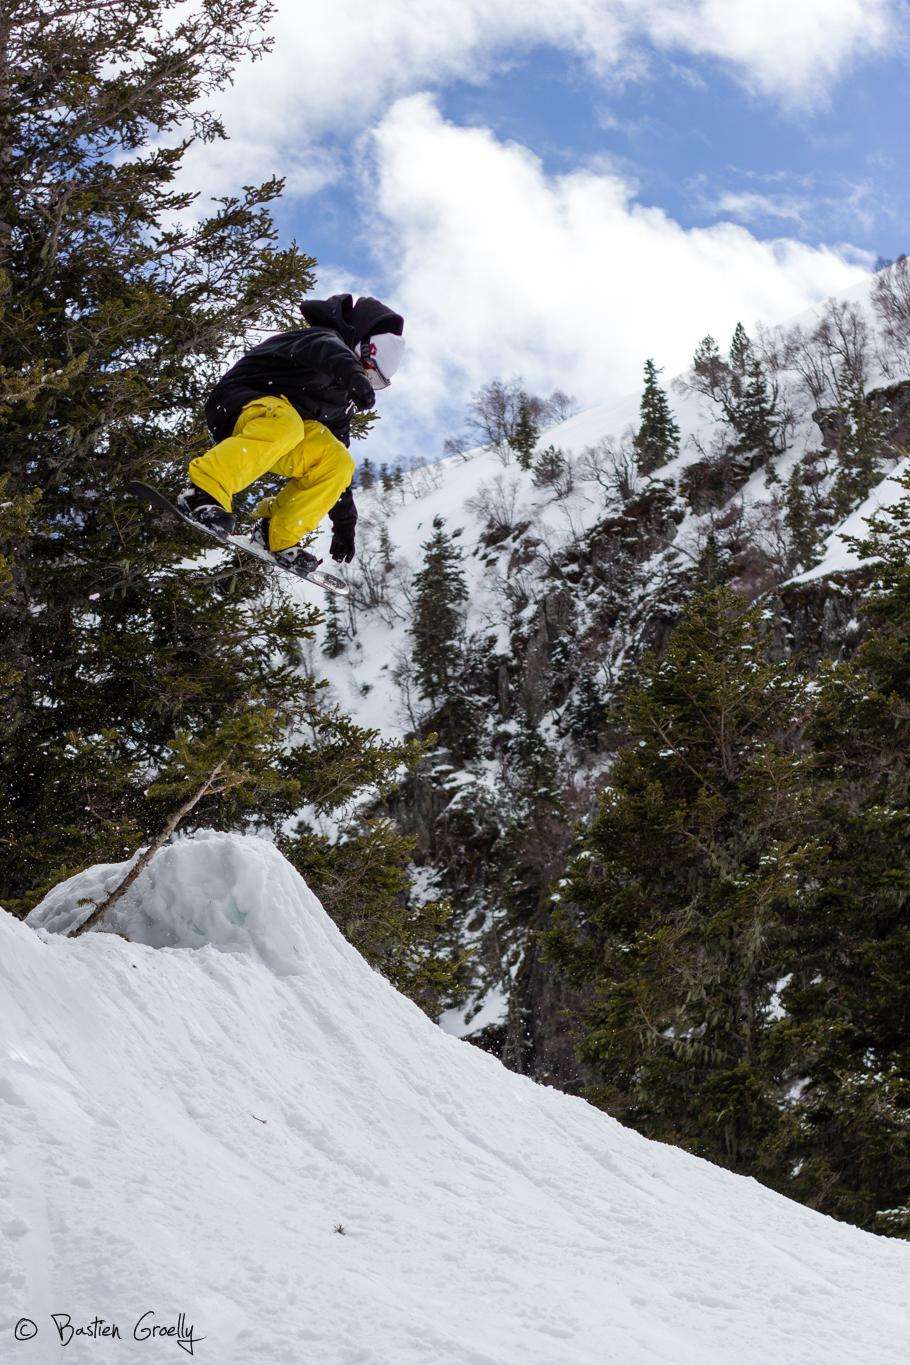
{"x": 690, "y": 135}
{"x": 531, "y": 183}
{"x": 838, "y": 174}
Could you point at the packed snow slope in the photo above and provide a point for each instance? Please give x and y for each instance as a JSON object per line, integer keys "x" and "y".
{"x": 188, "y": 1116}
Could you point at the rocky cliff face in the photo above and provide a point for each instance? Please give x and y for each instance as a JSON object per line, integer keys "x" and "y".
{"x": 816, "y": 620}
{"x": 538, "y": 709}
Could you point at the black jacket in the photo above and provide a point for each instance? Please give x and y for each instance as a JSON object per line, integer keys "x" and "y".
{"x": 315, "y": 369}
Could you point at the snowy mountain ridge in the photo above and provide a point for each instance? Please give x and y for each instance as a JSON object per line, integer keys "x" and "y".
{"x": 466, "y": 492}
{"x": 575, "y": 565}
{"x": 187, "y": 1129}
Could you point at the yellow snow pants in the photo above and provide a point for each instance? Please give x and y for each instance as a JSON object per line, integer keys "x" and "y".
{"x": 270, "y": 437}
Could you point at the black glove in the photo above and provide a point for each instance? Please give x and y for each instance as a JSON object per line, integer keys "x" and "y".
{"x": 343, "y": 517}
{"x": 342, "y": 547}
{"x": 361, "y": 390}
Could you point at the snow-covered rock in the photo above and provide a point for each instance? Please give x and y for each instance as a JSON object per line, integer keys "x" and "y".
{"x": 183, "y": 1127}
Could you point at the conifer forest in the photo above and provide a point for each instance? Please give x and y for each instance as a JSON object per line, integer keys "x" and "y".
{"x": 643, "y": 818}
{"x": 667, "y": 795}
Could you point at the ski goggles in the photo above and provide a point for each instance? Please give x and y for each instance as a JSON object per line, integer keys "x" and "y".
{"x": 381, "y": 356}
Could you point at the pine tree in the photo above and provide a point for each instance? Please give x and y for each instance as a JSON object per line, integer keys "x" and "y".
{"x": 741, "y": 355}
{"x": 800, "y": 521}
{"x": 657, "y": 440}
{"x": 115, "y": 323}
{"x": 438, "y": 624}
{"x": 441, "y": 654}
{"x": 530, "y": 851}
{"x": 529, "y": 854}
{"x": 757, "y": 419}
{"x": 673, "y": 921}
{"x": 334, "y": 639}
{"x": 386, "y": 549}
{"x": 15, "y": 516}
{"x": 754, "y": 410}
{"x": 118, "y": 323}
{"x": 747, "y": 400}
{"x": 710, "y": 372}
{"x": 859, "y": 452}
{"x": 525, "y": 432}
{"x": 716, "y": 563}
{"x": 119, "y": 635}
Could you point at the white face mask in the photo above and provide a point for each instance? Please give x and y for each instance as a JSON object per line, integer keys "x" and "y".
{"x": 385, "y": 352}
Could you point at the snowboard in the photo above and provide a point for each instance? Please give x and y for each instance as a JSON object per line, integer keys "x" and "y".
{"x": 328, "y": 581}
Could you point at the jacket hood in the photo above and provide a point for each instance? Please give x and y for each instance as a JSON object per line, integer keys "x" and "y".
{"x": 370, "y": 318}
{"x": 336, "y": 312}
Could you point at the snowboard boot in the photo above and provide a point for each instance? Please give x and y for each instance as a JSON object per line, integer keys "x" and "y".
{"x": 202, "y": 507}
{"x": 294, "y": 557}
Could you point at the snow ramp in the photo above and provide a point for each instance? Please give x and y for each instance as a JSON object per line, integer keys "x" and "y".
{"x": 188, "y": 1117}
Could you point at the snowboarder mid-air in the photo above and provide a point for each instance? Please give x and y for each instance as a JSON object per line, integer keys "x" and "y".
{"x": 285, "y": 409}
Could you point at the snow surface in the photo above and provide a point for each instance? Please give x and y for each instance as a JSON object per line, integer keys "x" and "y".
{"x": 184, "y": 1126}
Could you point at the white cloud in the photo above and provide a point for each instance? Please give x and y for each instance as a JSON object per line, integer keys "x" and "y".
{"x": 747, "y": 205}
{"x": 567, "y": 281}
{"x": 792, "y": 49}
{"x": 348, "y": 57}
{"x": 336, "y": 66}
{"x": 850, "y": 207}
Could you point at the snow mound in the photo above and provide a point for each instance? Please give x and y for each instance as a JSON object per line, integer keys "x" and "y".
{"x": 184, "y": 1129}
{"x": 238, "y": 895}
